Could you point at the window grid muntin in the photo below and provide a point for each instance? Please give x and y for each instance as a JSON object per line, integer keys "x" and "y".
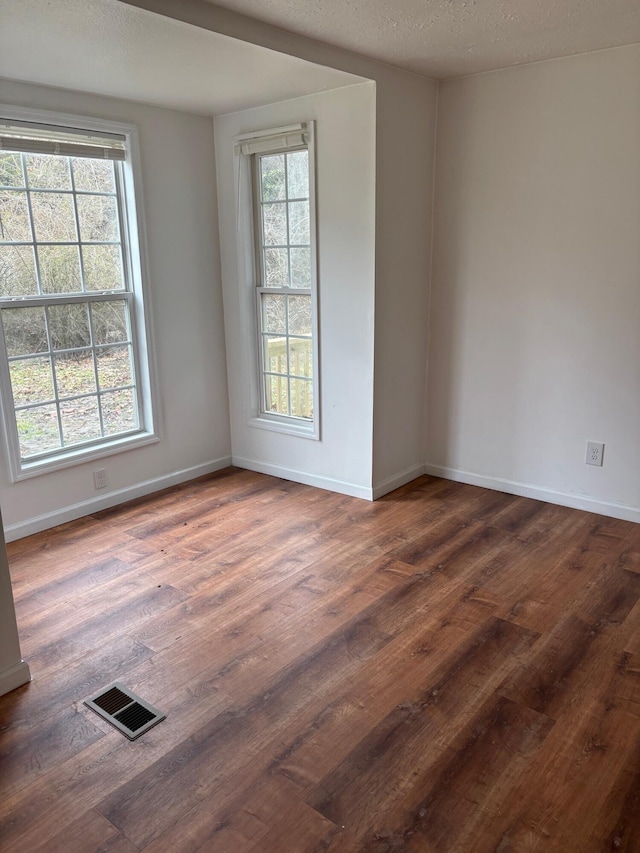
{"x": 127, "y": 273}
{"x": 94, "y": 349}
{"x": 53, "y": 373}
{"x": 262, "y": 290}
{"x": 286, "y": 201}
{"x": 289, "y": 375}
{"x": 86, "y": 297}
{"x": 70, "y": 243}
{"x": 79, "y": 243}
{"x": 76, "y": 216}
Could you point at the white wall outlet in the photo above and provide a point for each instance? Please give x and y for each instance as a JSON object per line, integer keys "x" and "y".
{"x": 100, "y": 478}
{"x": 595, "y": 451}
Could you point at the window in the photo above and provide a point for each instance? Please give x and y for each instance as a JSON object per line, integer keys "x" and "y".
{"x": 285, "y": 280}
{"x": 74, "y": 376}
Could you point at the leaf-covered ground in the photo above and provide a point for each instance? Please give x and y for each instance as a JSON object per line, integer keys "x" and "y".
{"x": 33, "y": 383}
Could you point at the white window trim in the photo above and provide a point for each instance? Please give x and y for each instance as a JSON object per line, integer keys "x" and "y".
{"x": 264, "y": 142}
{"x": 135, "y": 258}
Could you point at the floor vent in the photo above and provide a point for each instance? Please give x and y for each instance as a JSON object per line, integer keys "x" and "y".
{"x": 119, "y": 706}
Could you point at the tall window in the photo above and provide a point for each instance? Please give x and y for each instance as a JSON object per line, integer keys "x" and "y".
{"x": 74, "y": 381}
{"x": 283, "y": 181}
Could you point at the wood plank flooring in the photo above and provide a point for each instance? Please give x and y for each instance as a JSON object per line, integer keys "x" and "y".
{"x": 447, "y": 669}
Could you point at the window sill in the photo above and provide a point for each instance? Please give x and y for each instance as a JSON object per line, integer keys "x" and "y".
{"x": 81, "y": 455}
{"x": 288, "y": 426}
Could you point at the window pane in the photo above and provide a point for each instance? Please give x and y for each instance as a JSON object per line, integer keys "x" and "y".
{"x": 272, "y": 177}
{"x": 114, "y": 367}
{"x": 285, "y": 321}
{"x": 110, "y": 324}
{"x": 298, "y": 174}
{"x": 74, "y": 374}
{"x": 37, "y": 430}
{"x": 14, "y": 217}
{"x": 98, "y": 217}
{"x": 274, "y": 317}
{"x": 59, "y": 269}
{"x": 93, "y": 175}
{"x": 69, "y": 326}
{"x": 70, "y": 362}
{"x": 102, "y": 268}
{"x": 17, "y": 271}
{"x": 276, "y": 268}
{"x": 274, "y": 218}
{"x": 277, "y": 394}
{"x": 301, "y": 398}
{"x": 48, "y": 172}
{"x": 300, "y": 267}
{"x": 31, "y": 381}
{"x": 275, "y": 354}
{"x": 80, "y": 420}
{"x": 300, "y": 357}
{"x": 299, "y": 222}
{"x": 53, "y": 217}
{"x": 25, "y": 330}
{"x": 299, "y": 315}
{"x": 11, "y": 170}
{"x": 118, "y": 411}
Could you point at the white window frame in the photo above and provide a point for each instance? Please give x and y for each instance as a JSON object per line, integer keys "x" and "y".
{"x": 249, "y": 147}
{"x": 133, "y": 233}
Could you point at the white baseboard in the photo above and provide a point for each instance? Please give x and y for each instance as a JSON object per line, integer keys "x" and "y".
{"x": 14, "y": 676}
{"x": 320, "y": 482}
{"x": 70, "y": 513}
{"x": 525, "y": 490}
{"x": 396, "y": 481}
{"x": 78, "y": 510}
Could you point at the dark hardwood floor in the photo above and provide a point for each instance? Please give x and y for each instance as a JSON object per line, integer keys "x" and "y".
{"x": 447, "y": 669}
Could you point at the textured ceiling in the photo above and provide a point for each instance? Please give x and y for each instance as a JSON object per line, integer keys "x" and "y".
{"x": 110, "y": 48}
{"x": 117, "y": 49}
{"x": 450, "y": 38}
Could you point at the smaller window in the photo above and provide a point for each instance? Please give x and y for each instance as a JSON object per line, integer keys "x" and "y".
{"x": 285, "y": 279}
{"x": 74, "y": 378}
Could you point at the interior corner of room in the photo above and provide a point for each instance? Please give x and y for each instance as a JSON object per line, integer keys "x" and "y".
{"x": 478, "y": 257}
{"x": 407, "y": 619}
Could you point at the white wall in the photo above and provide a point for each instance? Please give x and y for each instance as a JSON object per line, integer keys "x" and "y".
{"x": 535, "y": 316}
{"x": 13, "y": 670}
{"x": 405, "y": 128}
{"x": 345, "y": 170}
{"x": 182, "y": 235}
{"x": 404, "y": 190}
{"x": 179, "y": 187}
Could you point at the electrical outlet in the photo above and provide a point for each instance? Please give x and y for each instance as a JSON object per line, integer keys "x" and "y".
{"x": 595, "y": 451}
{"x": 100, "y": 478}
